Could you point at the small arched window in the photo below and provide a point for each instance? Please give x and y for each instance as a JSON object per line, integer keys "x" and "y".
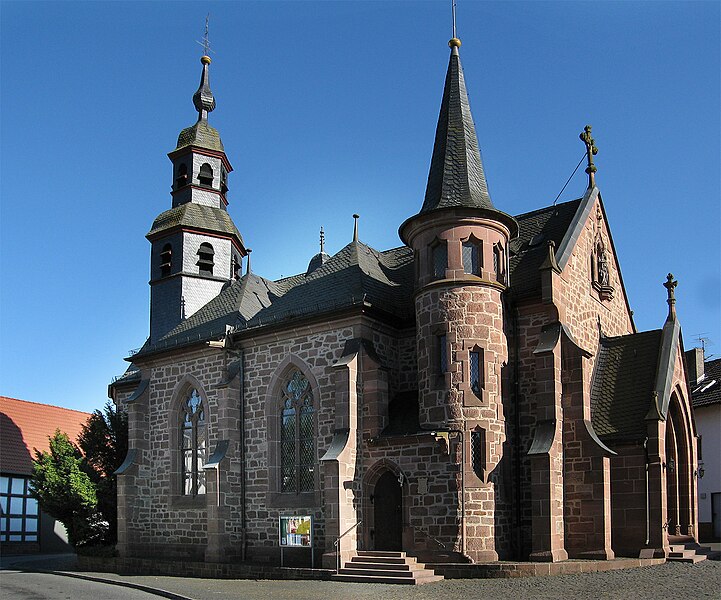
{"x": 223, "y": 181}
{"x": 297, "y": 448}
{"x": 439, "y": 259}
{"x": 166, "y": 260}
{"x": 205, "y": 259}
{"x": 193, "y": 444}
{"x": 205, "y": 176}
{"x": 471, "y": 250}
{"x": 181, "y": 178}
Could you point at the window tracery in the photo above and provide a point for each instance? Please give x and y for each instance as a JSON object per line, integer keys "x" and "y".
{"x": 193, "y": 444}
{"x": 297, "y": 447}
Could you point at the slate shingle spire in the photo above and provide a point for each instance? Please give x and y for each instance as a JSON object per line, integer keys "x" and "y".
{"x": 203, "y": 99}
{"x": 456, "y": 176}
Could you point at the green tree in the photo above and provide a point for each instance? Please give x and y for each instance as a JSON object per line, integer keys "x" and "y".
{"x": 61, "y": 481}
{"x": 104, "y": 442}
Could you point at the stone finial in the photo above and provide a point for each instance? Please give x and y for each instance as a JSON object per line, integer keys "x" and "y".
{"x": 591, "y": 151}
{"x": 670, "y": 286}
{"x": 322, "y": 240}
{"x": 355, "y": 227}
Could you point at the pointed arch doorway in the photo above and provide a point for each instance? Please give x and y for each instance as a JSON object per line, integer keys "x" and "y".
{"x": 388, "y": 512}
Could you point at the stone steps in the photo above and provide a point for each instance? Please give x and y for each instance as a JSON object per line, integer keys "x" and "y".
{"x": 385, "y": 567}
{"x": 689, "y": 552}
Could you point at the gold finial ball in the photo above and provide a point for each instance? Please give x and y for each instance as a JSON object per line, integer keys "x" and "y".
{"x": 205, "y": 60}
{"x": 454, "y": 43}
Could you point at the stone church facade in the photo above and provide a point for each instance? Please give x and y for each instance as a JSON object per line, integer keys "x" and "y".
{"x": 478, "y": 394}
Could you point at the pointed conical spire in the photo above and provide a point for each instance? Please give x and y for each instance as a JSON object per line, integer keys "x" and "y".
{"x": 456, "y": 176}
{"x": 203, "y": 99}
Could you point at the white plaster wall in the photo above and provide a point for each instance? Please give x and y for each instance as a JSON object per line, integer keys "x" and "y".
{"x": 221, "y": 258}
{"x": 708, "y": 424}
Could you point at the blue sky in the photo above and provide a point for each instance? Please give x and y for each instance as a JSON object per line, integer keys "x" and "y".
{"x": 326, "y": 109}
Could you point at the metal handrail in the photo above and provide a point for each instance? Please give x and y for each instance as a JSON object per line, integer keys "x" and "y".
{"x": 337, "y": 544}
{"x": 430, "y": 537}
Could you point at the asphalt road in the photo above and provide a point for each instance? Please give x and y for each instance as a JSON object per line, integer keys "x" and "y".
{"x": 670, "y": 581}
{"x": 21, "y": 585}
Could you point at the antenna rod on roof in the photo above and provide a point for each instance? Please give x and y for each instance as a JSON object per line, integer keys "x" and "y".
{"x": 322, "y": 240}
{"x": 248, "y": 268}
{"x": 453, "y": 12}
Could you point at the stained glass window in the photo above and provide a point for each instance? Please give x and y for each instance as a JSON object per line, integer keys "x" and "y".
{"x": 471, "y": 257}
{"x": 193, "y": 444}
{"x": 297, "y": 440}
{"x": 440, "y": 260}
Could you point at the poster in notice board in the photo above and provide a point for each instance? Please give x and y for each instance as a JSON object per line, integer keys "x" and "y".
{"x": 296, "y": 530}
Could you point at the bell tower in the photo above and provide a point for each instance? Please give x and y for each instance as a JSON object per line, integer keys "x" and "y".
{"x": 460, "y": 243}
{"x": 195, "y": 246}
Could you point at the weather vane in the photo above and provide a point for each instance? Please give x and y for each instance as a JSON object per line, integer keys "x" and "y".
{"x": 206, "y": 42}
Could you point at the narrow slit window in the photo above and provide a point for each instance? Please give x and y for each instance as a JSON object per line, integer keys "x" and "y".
{"x": 477, "y": 451}
{"x": 440, "y": 260}
{"x": 475, "y": 368}
{"x": 442, "y": 355}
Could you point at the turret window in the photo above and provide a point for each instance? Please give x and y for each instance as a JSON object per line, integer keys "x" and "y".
{"x": 439, "y": 254}
{"x": 499, "y": 263}
{"x": 205, "y": 176}
{"x": 166, "y": 260}
{"x": 181, "y": 179}
{"x": 205, "y": 259}
{"x": 223, "y": 181}
{"x": 475, "y": 370}
{"x": 477, "y": 452}
{"x": 471, "y": 250}
{"x": 442, "y": 354}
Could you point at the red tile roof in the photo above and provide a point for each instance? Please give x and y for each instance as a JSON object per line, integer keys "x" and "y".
{"x": 26, "y": 426}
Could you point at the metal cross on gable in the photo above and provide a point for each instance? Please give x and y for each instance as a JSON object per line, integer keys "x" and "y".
{"x": 591, "y": 151}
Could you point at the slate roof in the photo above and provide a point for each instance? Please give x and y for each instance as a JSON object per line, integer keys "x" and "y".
{"x": 196, "y": 216}
{"x": 623, "y": 383}
{"x": 201, "y": 135}
{"x": 354, "y": 275}
{"x": 26, "y": 426}
{"x": 707, "y": 390}
{"x": 530, "y": 248}
{"x": 456, "y": 176}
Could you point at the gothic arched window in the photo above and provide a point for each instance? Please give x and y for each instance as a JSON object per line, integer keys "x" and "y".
{"x": 205, "y": 259}
{"x": 193, "y": 444}
{"x": 297, "y": 448}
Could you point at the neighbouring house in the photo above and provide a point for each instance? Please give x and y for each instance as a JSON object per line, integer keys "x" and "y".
{"x": 705, "y": 378}
{"x": 24, "y": 428}
{"x": 478, "y": 393}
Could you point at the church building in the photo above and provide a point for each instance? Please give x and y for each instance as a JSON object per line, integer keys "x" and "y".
{"x": 479, "y": 393}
